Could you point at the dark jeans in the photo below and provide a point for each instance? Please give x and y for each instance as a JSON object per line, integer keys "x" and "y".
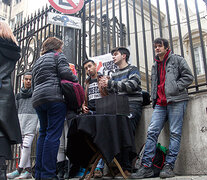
{"x": 51, "y": 116}
{"x": 135, "y": 109}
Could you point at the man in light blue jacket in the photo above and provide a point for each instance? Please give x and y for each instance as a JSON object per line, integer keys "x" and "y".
{"x": 170, "y": 77}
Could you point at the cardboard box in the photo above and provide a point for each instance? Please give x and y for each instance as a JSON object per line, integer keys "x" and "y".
{"x": 113, "y": 104}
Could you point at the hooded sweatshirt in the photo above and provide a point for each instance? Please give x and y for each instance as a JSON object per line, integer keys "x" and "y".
{"x": 161, "y": 100}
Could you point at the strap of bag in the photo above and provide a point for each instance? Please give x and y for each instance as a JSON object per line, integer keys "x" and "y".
{"x": 56, "y": 55}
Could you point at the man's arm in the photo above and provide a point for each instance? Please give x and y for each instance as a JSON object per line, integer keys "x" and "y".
{"x": 186, "y": 76}
{"x": 129, "y": 85}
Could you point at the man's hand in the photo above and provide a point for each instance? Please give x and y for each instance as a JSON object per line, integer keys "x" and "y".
{"x": 85, "y": 109}
{"x": 103, "y": 81}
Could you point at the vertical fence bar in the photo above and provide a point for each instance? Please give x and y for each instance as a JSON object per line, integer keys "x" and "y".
{"x": 169, "y": 25}
{"x": 108, "y": 46}
{"x": 89, "y": 45}
{"x": 135, "y": 31}
{"x": 201, "y": 39}
{"x": 84, "y": 34}
{"x": 79, "y": 55}
{"x": 95, "y": 38}
{"x": 121, "y": 25}
{"x": 101, "y": 28}
{"x": 145, "y": 46}
{"x": 151, "y": 26}
{"x": 127, "y": 19}
{"x": 114, "y": 24}
{"x": 179, "y": 29}
{"x": 45, "y": 22}
{"x": 191, "y": 44}
{"x": 159, "y": 17}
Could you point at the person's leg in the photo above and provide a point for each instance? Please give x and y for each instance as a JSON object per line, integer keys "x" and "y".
{"x": 175, "y": 115}
{"x": 63, "y": 140}
{"x": 42, "y": 115}
{"x": 135, "y": 109}
{"x": 98, "y": 172}
{"x": 156, "y": 125}
{"x": 56, "y": 112}
{"x": 26, "y": 151}
{"x": 61, "y": 154}
{"x": 100, "y": 164}
{"x": 3, "y": 168}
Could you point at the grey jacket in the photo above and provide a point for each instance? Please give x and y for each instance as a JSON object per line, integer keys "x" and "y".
{"x": 178, "y": 77}
{"x": 27, "y": 115}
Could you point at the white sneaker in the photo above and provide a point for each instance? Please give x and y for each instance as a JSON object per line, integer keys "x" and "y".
{"x": 25, "y": 175}
{"x": 13, "y": 174}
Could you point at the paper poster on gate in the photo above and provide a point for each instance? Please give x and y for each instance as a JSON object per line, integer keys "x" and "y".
{"x": 105, "y": 64}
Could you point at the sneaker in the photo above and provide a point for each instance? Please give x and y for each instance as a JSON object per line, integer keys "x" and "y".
{"x": 167, "y": 171}
{"x": 98, "y": 173}
{"x": 13, "y": 174}
{"x": 142, "y": 172}
{"x": 25, "y": 175}
{"x": 81, "y": 173}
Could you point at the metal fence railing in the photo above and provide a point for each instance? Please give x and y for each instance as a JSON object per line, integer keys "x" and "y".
{"x": 131, "y": 23}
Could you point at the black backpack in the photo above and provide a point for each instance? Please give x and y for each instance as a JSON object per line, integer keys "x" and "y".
{"x": 158, "y": 160}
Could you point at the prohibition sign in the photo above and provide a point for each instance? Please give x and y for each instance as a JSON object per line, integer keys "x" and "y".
{"x": 67, "y": 6}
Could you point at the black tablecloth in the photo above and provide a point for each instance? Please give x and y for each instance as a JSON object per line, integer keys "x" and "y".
{"x": 109, "y": 133}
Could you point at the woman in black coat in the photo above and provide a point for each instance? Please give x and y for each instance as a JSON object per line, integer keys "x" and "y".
{"x": 47, "y": 99}
{"x": 9, "y": 124}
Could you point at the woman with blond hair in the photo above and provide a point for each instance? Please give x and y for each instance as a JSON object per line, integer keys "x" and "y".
{"x": 49, "y": 104}
{"x": 9, "y": 124}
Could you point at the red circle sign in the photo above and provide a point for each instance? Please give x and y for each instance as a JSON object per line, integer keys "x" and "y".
{"x": 67, "y": 6}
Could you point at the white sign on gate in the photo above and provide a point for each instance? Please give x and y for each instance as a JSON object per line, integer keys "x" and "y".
{"x": 63, "y": 20}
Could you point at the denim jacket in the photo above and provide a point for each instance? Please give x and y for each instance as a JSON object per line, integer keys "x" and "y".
{"x": 178, "y": 77}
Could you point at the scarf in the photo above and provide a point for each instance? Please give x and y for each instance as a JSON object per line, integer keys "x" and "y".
{"x": 24, "y": 93}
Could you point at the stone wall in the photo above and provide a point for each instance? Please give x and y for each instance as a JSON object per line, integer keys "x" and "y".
{"x": 192, "y": 159}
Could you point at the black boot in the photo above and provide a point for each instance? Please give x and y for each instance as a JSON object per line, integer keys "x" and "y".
{"x": 66, "y": 169}
{"x": 3, "y": 168}
{"x": 60, "y": 169}
{"x": 3, "y": 174}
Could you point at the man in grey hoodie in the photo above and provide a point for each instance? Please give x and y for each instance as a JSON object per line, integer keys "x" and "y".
{"x": 28, "y": 122}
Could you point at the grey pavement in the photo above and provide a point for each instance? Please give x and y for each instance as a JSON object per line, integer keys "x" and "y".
{"x": 202, "y": 177}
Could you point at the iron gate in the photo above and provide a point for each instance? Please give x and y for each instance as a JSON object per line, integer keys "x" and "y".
{"x": 131, "y": 23}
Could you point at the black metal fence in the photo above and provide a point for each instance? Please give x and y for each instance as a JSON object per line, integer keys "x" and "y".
{"x": 131, "y": 23}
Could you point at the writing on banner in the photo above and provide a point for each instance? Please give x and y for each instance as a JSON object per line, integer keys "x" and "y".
{"x": 105, "y": 64}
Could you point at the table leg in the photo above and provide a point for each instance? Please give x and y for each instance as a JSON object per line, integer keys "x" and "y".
{"x": 120, "y": 169}
{"x": 91, "y": 161}
{"x": 93, "y": 167}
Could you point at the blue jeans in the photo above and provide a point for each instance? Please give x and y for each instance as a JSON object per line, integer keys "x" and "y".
{"x": 100, "y": 164}
{"x": 51, "y": 116}
{"x": 174, "y": 113}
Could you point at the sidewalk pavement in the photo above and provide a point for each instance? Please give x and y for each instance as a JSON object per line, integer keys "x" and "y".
{"x": 201, "y": 177}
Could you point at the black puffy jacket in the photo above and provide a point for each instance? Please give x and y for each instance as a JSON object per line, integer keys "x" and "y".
{"x": 46, "y": 81}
